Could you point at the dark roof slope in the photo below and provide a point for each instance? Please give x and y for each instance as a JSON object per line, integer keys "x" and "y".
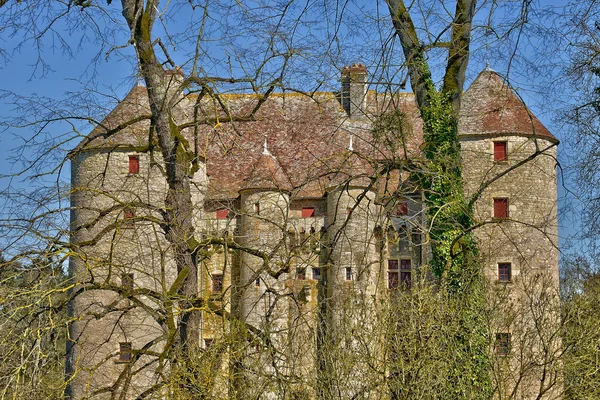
{"x": 491, "y": 107}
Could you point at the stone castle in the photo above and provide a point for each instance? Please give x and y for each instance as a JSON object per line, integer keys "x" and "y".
{"x": 302, "y": 228}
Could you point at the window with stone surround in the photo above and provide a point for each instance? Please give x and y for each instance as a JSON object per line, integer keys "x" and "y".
{"x": 504, "y": 272}
{"x": 348, "y": 273}
{"x": 500, "y": 208}
{"x": 217, "y": 283}
{"x": 500, "y": 151}
{"x": 128, "y": 215}
{"x": 125, "y": 352}
{"x": 316, "y": 273}
{"x": 134, "y": 164}
{"x": 127, "y": 281}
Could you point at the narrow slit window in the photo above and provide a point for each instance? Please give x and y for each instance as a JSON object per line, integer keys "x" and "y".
{"x": 134, "y": 165}
{"x": 500, "y": 153}
{"x": 125, "y": 352}
{"x": 257, "y": 208}
{"x": 393, "y": 274}
{"x": 348, "y": 273}
{"x": 500, "y": 208}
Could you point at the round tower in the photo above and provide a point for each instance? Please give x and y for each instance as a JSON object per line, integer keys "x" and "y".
{"x": 261, "y": 287}
{"x": 509, "y": 174}
{"x": 117, "y": 186}
{"x": 355, "y": 280}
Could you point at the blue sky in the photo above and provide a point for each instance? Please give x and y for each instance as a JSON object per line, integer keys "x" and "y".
{"x": 68, "y": 73}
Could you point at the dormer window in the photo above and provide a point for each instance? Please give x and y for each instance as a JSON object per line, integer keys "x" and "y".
{"x": 500, "y": 151}
{"x": 134, "y": 165}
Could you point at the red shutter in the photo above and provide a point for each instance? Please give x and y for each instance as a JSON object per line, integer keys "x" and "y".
{"x": 402, "y": 209}
{"x": 500, "y": 151}
{"x": 500, "y": 208}
{"x": 222, "y": 213}
{"x": 134, "y": 164}
{"x": 308, "y": 212}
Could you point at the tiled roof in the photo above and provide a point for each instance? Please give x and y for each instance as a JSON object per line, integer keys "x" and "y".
{"x": 491, "y": 107}
{"x": 308, "y": 135}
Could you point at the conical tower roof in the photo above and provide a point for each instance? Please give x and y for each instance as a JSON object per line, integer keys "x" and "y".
{"x": 352, "y": 169}
{"x": 491, "y": 108}
{"x": 267, "y": 174}
{"x": 126, "y": 125}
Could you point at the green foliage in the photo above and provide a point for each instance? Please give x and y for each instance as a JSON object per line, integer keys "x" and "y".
{"x": 454, "y": 251}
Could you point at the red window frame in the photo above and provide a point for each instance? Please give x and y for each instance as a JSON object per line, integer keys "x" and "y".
{"x": 134, "y": 164}
{"x": 501, "y": 208}
{"x": 500, "y": 151}
{"x": 308, "y": 212}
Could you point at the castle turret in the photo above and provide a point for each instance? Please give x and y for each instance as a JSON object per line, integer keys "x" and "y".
{"x": 509, "y": 161}
{"x": 263, "y": 268}
{"x": 355, "y": 279}
{"x": 117, "y": 189}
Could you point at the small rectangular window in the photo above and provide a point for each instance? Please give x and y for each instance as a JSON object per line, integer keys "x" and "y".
{"x": 502, "y": 344}
{"x": 308, "y": 212}
{"x": 125, "y": 352}
{"x": 316, "y": 273}
{"x": 222, "y": 213}
{"x": 500, "y": 153}
{"x": 393, "y": 274}
{"x": 257, "y": 208}
{"x": 500, "y": 208}
{"x": 127, "y": 281}
{"x": 134, "y": 164}
{"x": 217, "y": 283}
{"x": 257, "y": 282}
{"x": 504, "y": 272}
{"x": 128, "y": 215}
{"x": 348, "y": 273}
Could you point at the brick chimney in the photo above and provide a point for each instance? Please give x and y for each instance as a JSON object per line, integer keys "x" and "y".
{"x": 354, "y": 89}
